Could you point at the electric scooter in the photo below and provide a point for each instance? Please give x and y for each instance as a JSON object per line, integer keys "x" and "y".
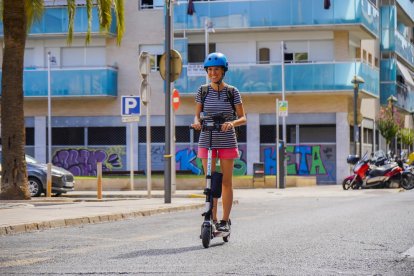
{"x": 213, "y": 182}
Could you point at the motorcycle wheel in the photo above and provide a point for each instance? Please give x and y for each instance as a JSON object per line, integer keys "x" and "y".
{"x": 407, "y": 182}
{"x": 346, "y": 184}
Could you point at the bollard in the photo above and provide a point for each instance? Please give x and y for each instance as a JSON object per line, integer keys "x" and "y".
{"x": 99, "y": 175}
{"x": 49, "y": 180}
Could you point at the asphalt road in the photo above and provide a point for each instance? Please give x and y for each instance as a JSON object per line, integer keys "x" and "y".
{"x": 365, "y": 234}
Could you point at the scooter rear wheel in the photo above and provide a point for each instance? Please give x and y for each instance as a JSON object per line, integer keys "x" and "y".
{"x": 206, "y": 236}
{"x": 226, "y": 238}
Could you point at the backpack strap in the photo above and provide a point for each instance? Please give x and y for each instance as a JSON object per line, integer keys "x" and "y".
{"x": 204, "y": 92}
{"x": 230, "y": 97}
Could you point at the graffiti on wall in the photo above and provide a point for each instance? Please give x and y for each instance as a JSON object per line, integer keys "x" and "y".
{"x": 83, "y": 161}
{"x": 186, "y": 160}
{"x": 312, "y": 160}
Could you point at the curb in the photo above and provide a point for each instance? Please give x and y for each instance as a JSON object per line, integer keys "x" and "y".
{"x": 58, "y": 223}
{"x": 69, "y": 222}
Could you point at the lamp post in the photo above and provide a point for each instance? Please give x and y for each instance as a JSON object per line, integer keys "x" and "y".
{"x": 208, "y": 28}
{"x": 357, "y": 80}
{"x": 50, "y": 59}
{"x": 391, "y": 100}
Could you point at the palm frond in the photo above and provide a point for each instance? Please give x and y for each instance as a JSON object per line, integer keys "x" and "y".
{"x": 71, "y": 15}
{"x": 89, "y": 6}
{"x": 34, "y": 11}
{"x": 104, "y": 12}
{"x": 119, "y": 13}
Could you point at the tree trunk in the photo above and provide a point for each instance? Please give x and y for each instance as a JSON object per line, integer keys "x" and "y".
{"x": 14, "y": 176}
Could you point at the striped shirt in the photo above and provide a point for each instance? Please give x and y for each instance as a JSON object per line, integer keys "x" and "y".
{"x": 216, "y": 102}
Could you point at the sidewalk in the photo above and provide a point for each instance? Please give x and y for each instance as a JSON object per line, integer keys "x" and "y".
{"x": 82, "y": 207}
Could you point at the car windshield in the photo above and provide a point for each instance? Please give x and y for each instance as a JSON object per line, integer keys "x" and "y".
{"x": 30, "y": 160}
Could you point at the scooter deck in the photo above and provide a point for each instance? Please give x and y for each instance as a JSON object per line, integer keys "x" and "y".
{"x": 221, "y": 234}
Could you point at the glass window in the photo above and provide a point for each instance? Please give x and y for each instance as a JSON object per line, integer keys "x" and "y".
{"x": 317, "y": 134}
{"x": 30, "y": 136}
{"x": 268, "y": 134}
{"x": 155, "y": 52}
{"x": 196, "y": 52}
{"x": 157, "y": 134}
{"x": 107, "y": 136}
{"x": 68, "y": 136}
{"x": 151, "y": 4}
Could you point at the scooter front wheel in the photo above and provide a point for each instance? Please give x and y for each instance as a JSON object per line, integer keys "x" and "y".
{"x": 206, "y": 236}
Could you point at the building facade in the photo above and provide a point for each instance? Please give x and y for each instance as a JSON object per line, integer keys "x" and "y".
{"x": 317, "y": 46}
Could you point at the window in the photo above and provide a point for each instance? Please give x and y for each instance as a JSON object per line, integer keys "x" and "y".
{"x": 370, "y": 58}
{"x": 301, "y": 57}
{"x": 264, "y": 55}
{"x": 368, "y": 136}
{"x": 68, "y": 136}
{"x": 156, "y": 52}
{"x": 157, "y": 134}
{"x": 268, "y": 134}
{"x": 151, "y": 4}
{"x": 317, "y": 134}
{"x": 30, "y": 136}
{"x": 196, "y": 52}
{"x": 107, "y": 136}
{"x": 83, "y": 56}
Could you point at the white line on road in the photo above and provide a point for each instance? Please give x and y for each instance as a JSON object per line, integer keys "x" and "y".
{"x": 409, "y": 253}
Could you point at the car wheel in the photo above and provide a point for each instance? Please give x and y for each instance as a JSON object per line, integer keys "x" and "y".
{"x": 35, "y": 187}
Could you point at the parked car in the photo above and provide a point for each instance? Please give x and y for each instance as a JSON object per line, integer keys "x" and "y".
{"x": 62, "y": 180}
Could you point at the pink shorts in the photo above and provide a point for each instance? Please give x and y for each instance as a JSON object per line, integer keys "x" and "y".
{"x": 231, "y": 153}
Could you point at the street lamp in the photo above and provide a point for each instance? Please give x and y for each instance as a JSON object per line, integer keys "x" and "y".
{"x": 391, "y": 100}
{"x": 357, "y": 80}
{"x": 208, "y": 28}
{"x": 50, "y": 59}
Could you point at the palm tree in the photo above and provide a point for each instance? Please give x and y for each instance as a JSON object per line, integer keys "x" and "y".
{"x": 17, "y": 18}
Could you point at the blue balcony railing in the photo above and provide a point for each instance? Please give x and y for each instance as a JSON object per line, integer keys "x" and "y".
{"x": 301, "y": 77}
{"x": 71, "y": 82}
{"x": 404, "y": 48}
{"x": 391, "y": 87}
{"x": 408, "y": 7}
{"x": 55, "y": 21}
{"x": 240, "y": 14}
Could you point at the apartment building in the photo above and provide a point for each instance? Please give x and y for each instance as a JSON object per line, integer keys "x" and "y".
{"x": 319, "y": 47}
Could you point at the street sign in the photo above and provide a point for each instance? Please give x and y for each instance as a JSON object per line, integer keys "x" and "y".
{"x": 131, "y": 105}
{"x": 283, "y": 108}
{"x": 175, "y": 99}
{"x": 129, "y": 119}
{"x": 176, "y": 65}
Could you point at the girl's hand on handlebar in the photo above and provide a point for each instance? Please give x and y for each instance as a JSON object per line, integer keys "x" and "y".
{"x": 227, "y": 126}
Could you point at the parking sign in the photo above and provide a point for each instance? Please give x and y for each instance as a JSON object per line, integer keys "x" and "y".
{"x": 131, "y": 106}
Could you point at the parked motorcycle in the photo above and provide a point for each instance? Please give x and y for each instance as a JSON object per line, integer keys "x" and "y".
{"x": 379, "y": 172}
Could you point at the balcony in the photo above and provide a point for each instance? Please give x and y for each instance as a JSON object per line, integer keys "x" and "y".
{"x": 55, "y": 22}
{"x": 76, "y": 82}
{"x": 239, "y": 14}
{"x": 299, "y": 77}
{"x": 407, "y": 6}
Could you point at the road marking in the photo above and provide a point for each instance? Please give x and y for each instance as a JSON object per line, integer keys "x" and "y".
{"x": 409, "y": 253}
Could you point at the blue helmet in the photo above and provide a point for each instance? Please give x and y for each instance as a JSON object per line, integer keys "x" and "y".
{"x": 216, "y": 59}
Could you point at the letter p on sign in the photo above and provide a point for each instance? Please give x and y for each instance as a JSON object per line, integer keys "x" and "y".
{"x": 131, "y": 105}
